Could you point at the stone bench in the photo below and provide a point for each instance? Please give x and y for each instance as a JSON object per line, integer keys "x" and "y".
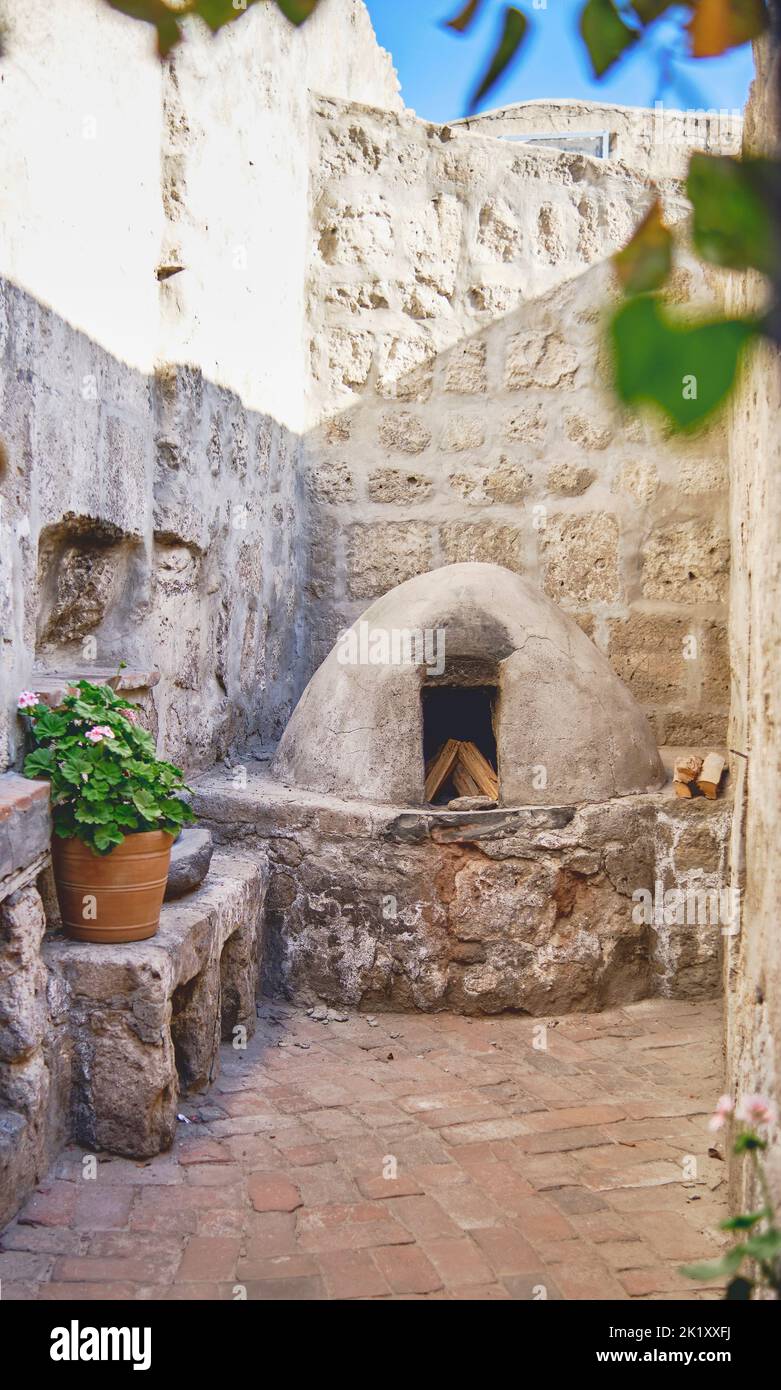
{"x": 145, "y": 1020}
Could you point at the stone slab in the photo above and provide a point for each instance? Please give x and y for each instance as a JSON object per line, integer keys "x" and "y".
{"x": 25, "y": 823}
{"x": 147, "y": 1017}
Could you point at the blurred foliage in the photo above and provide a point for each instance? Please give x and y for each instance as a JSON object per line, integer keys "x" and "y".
{"x": 685, "y": 369}
{"x": 606, "y": 36}
{"x": 167, "y": 18}
{"x": 646, "y": 261}
{"x": 736, "y": 205}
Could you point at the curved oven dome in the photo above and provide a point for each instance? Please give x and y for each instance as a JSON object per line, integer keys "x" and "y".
{"x": 566, "y": 728}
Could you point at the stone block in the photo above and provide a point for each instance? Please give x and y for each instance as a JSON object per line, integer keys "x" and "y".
{"x": 385, "y": 554}
{"x": 331, "y": 481}
{"x": 648, "y": 652}
{"x": 580, "y": 557}
{"x": 403, "y": 432}
{"x": 461, "y": 433}
{"x": 687, "y": 563}
{"x": 25, "y": 823}
{"x": 484, "y": 541}
{"x": 585, "y": 433}
{"x": 352, "y": 234}
{"x": 146, "y": 1017}
{"x": 570, "y": 479}
{"x": 638, "y": 478}
{"x": 696, "y": 475}
{"x": 22, "y": 977}
{"x": 432, "y": 235}
{"x": 540, "y": 359}
{"x": 499, "y": 236}
{"x": 465, "y": 369}
{"x": 398, "y": 485}
{"x": 405, "y": 368}
{"x": 527, "y": 426}
{"x": 348, "y": 358}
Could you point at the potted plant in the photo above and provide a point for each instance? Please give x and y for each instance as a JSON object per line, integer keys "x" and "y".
{"x": 116, "y": 810}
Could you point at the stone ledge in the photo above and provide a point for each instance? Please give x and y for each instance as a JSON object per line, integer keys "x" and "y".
{"x": 146, "y": 1019}
{"x": 51, "y": 687}
{"x": 25, "y": 824}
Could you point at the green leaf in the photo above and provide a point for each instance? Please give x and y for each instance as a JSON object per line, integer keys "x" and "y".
{"x": 218, "y": 13}
{"x": 744, "y": 1222}
{"x": 735, "y": 211}
{"x": 766, "y": 1246}
{"x": 646, "y": 261}
{"x": 50, "y": 725}
{"x": 715, "y": 1269}
{"x": 464, "y": 18}
{"x": 605, "y": 34}
{"x": 738, "y": 1289}
{"x": 649, "y": 10}
{"x": 747, "y": 1142}
{"x": 40, "y": 763}
{"x": 157, "y": 13}
{"x": 107, "y": 836}
{"x": 716, "y": 26}
{"x": 511, "y": 38}
{"x": 686, "y": 370}
{"x": 297, "y": 11}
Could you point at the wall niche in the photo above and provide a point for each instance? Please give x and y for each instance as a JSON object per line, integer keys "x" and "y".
{"x": 90, "y": 587}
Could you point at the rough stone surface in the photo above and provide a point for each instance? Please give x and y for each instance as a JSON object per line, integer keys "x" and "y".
{"x": 32, "y": 1056}
{"x": 753, "y": 960}
{"x": 534, "y": 909}
{"x": 145, "y": 1019}
{"x": 191, "y": 856}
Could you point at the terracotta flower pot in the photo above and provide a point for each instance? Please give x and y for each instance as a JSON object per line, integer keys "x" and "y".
{"x": 116, "y": 896}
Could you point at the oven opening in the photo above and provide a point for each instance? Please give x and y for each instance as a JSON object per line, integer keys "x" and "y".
{"x": 459, "y": 744}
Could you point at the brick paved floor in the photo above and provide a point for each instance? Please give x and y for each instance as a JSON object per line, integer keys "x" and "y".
{"x": 518, "y": 1169}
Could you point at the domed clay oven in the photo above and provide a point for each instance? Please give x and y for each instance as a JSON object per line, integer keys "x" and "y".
{"x": 389, "y": 889}
{"x": 475, "y": 654}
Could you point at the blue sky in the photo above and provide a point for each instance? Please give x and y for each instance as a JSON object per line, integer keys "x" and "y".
{"x": 438, "y": 68}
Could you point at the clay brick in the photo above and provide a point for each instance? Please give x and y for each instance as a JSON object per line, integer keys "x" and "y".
{"x": 407, "y": 1269}
{"x": 272, "y": 1192}
{"x": 506, "y": 1250}
{"x": 352, "y": 1274}
{"x": 206, "y": 1258}
{"x": 458, "y": 1261}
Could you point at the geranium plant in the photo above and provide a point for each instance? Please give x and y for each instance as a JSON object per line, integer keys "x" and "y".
{"x": 753, "y": 1262}
{"x": 105, "y": 780}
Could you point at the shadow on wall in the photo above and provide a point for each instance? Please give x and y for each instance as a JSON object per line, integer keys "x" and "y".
{"x": 150, "y": 519}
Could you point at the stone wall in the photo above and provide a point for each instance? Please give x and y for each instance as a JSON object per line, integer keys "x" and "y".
{"x": 151, "y": 354}
{"x": 457, "y": 288}
{"x": 150, "y": 519}
{"x": 753, "y": 978}
{"x": 537, "y": 909}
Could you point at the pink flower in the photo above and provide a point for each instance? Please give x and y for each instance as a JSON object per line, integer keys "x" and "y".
{"x": 756, "y": 1110}
{"x": 131, "y": 715}
{"x": 724, "y": 1108}
{"x": 26, "y": 699}
{"x": 99, "y": 732}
